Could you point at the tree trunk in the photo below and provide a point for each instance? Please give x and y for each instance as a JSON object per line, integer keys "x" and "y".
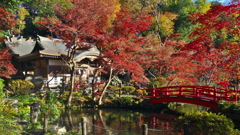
{"x": 94, "y": 86}
{"x": 105, "y": 87}
{"x": 69, "y": 100}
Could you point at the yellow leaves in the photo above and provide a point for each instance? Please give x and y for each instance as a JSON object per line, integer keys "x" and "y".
{"x": 20, "y": 86}
{"x": 22, "y": 13}
{"x": 114, "y": 3}
{"x": 137, "y": 5}
{"x": 165, "y": 23}
{"x": 5, "y": 108}
{"x": 112, "y": 14}
{"x": 203, "y": 6}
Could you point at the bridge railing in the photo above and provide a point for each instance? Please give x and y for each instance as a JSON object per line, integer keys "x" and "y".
{"x": 213, "y": 94}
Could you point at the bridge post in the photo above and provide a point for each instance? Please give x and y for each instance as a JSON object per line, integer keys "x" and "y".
{"x": 196, "y": 92}
{"x": 167, "y": 92}
{"x": 236, "y": 98}
{"x": 84, "y": 126}
{"x": 215, "y": 93}
{"x": 145, "y": 129}
{"x": 180, "y": 91}
{"x": 154, "y": 92}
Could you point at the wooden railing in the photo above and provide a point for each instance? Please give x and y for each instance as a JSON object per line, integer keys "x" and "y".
{"x": 211, "y": 94}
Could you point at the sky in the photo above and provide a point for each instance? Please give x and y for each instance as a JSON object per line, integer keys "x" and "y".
{"x": 222, "y": 1}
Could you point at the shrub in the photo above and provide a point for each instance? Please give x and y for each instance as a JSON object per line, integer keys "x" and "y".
{"x": 201, "y": 123}
{"x": 141, "y": 92}
{"x": 128, "y": 89}
{"x": 1, "y": 88}
{"x": 25, "y": 99}
{"x": 36, "y": 125}
{"x": 157, "y": 82}
{"x": 8, "y": 123}
{"x": 9, "y": 127}
{"x": 19, "y": 86}
{"x": 125, "y": 101}
{"x": 50, "y": 106}
{"x": 114, "y": 89}
{"x": 234, "y": 108}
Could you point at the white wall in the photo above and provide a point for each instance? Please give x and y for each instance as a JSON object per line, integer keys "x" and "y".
{"x": 56, "y": 62}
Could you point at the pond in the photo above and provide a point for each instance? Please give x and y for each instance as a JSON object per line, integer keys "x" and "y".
{"x": 117, "y": 121}
{"x": 124, "y": 121}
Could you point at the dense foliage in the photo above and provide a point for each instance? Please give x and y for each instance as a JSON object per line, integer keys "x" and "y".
{"x": 20, "y": 87}
{"x": 8, "y": 124}
{"x": 208, "y": 123}
{"x": 153, "y": 42}
{"x": 145, "y": 39}
{"x": 1, "y": 88}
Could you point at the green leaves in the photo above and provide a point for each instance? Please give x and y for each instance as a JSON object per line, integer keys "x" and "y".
{"x": 8, "y": 124}
{"x": 1, "y": 88}
{"x": 208, "y": 123}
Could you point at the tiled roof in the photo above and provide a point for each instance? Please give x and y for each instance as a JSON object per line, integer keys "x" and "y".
{"x": 48, "y": 44}
{"x": 44, "y": 46}
{"x": 20, "y": 46}
{"x": 92, "y": 53}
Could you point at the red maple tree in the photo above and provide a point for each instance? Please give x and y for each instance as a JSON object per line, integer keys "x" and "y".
{"x": 6, "y": 67}
{"x": 172, "y": 66}
{"x": 7, "y": 21}
{"x": 120, "y": 47}
{"x": 122, "y": 50}
{"x": 216, "y": 43}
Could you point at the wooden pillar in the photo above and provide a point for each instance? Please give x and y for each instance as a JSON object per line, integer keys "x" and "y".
{"x": 84, "y": 126}
{"x": 144, "y": 129}
{"x": 185, "y": 129}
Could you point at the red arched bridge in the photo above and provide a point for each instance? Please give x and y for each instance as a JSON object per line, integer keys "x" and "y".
{"x": 199, "y": 95}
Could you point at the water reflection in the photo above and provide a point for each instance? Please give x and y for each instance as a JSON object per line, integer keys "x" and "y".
{"x": 117, "y": 122}
{"x": 188, "y": 108}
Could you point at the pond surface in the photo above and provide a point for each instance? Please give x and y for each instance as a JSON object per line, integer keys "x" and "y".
{"x": 117, "y": 122}
{"x": 124, "y": 121}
